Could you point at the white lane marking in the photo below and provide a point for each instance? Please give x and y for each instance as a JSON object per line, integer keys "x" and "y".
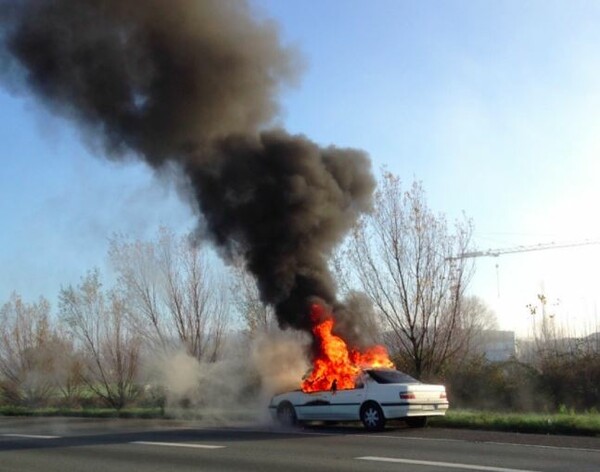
{"x": 448, "y": 465}
{"x": 541, "y": 446}
{"x": 193, "y": 446}
{"x": 268, "y": 431}
{"x": 31, "y": 436}
{"x": 410, "y": 438}
{"x": 375, "y": 436}
{"x": 497, "y": 443}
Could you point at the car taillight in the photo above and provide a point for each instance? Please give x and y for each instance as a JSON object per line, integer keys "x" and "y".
{"x": 407, "y": 396}
{"x": 443, "y": 396}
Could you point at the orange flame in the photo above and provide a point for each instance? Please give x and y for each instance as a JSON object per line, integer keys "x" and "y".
{"x": 335, "y": 361}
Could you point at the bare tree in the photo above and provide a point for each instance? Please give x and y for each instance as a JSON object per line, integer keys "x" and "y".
{"x": 258, "y": 317}
{"x": 400, "y": 257}
{"x": 477, "y": 315}
{"x": 567, "y": 361}
{"x": 476, "y": 318}
{"x": 111, "y": 348}
{"x": 173, "y": 297}
{"x": 69, "y": 367}
{"x": 26, "y": 354}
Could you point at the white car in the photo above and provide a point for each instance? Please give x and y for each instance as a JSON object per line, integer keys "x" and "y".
{"x": 379, "y": 395}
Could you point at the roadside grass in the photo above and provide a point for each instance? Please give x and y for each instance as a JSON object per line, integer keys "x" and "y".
{"x": 212, "y": 415}
{"x": 84, "y": 412}
{"x": 564, "y": 422}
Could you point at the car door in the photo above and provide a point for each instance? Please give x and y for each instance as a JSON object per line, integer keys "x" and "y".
{"x": 345, "y": 404}
{"x": 314, "y": 406}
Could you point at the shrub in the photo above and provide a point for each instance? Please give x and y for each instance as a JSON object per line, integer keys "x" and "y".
{"x": 509, "y": 385}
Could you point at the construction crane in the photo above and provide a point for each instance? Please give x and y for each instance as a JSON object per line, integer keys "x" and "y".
{"x": 515, "y": 249}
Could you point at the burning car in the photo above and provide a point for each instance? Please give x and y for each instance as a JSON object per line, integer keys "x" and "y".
{"x": 378, "y": 395}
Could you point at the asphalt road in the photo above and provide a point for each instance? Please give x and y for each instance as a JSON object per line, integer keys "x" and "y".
{"x": 48, "y": 445}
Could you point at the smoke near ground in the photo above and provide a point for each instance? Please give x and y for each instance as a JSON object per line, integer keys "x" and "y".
{"x": 195, "y": 84}
{"x": 237, "y": 387}
{"x": 279, "y": 359}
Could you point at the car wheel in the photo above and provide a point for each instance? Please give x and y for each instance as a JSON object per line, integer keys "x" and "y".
{"x": 372, "y": 417}
{"x": 286, "y": 415}
{"x": 416, "y": 422}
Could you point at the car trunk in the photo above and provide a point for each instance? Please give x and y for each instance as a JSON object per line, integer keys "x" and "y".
{"x": 423, "y": 394}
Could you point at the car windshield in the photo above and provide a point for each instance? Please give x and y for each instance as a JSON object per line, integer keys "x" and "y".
{"x": 390, "y": 377}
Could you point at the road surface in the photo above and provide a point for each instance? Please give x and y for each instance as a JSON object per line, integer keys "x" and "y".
{"x": 91, "y": 445}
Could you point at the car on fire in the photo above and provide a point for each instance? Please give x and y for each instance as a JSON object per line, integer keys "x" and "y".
{"x": 379, "y": 395}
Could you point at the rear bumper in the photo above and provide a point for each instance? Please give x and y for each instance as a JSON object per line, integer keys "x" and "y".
{"x": 403, "y": 410}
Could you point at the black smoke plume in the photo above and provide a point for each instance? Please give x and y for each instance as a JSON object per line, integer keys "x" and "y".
{"x": 195, "y": 83}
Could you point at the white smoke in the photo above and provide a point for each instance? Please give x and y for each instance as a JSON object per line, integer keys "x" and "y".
{"x": 238, "y": 387}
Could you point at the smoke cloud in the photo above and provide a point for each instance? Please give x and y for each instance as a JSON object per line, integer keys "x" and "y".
{"x": 236, "y": 388}
{"x": 195, "y": 84}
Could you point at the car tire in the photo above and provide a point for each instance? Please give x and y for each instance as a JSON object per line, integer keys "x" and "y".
{"x": 372, "y": 417}
{"x": 416, "y": 421}
{"x": 286, "y": 415}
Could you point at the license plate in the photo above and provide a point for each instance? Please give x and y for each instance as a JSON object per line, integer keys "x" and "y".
{"x": 428, "y": 407}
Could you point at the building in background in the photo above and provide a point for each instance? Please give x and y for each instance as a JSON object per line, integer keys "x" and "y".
{"x": 496, "y": 345}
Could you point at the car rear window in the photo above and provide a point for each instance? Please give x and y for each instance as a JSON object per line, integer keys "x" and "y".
{"x": 391, "y": 377}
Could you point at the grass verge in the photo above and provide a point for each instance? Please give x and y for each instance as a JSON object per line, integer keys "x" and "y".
{"x": 83, "y": 413}
{"x": 212, "y": 415}
{"x": 579, "y": 424}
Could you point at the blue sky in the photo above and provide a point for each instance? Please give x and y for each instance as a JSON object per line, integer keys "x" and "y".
{"x": 493, "y": 105}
